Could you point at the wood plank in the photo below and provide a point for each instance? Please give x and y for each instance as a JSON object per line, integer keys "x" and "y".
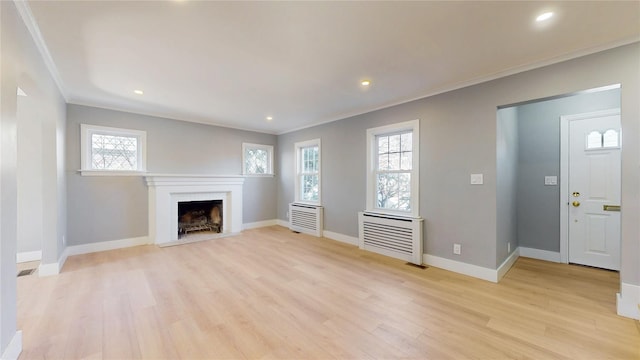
{"x": 272, "y": 294}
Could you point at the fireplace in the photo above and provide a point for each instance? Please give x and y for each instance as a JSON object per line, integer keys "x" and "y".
{"x": 199, "y": 217}
{"x": 181, "y": 207}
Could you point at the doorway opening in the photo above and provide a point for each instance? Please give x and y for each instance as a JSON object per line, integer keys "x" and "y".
{"x": 532, "y": 204}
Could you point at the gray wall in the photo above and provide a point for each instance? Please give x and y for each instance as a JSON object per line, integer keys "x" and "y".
{"x": 506, "y": 182}
{"x": 23, "y": 67}
{"x": 458, "y": 137}
{"x": 539, "y": 155}
{"x": 103, "y": 208}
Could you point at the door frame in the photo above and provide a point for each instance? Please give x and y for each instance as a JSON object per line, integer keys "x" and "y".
{"x": 564, "y": 174}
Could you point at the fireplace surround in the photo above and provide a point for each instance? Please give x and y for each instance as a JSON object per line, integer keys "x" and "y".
{"x": 166, "y": 191}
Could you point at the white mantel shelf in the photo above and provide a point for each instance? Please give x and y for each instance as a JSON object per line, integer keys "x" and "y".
{"x": 167, "y": 190}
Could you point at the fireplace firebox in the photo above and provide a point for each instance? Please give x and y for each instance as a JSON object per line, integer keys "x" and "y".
{"x": 199, "y": 217}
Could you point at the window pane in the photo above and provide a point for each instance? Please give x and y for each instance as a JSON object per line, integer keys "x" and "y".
{"x": 611, "y": 139}
{"x": 406, "y": 161}
{"x": 406, "y": 142}
{"x": 383, "y": 162}
{"x": 394, "y": 143}
{"x": 394, "y": 161}
{"x": 109, "y": 152}
{"x": 256, "y": 161}
{"x": 309, "y": 159}
{"x": 394, "y": 191}
{"x": 594, "y": 140}
{"x": 309, "y": 187}
{"x": 383, "y": 144}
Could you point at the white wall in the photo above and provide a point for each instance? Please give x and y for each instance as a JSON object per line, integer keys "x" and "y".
{"x": 22, "y": 65}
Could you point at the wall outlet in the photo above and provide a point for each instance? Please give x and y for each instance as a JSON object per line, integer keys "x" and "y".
{"x": 457, "y": 249}
{"x": 508, "y": 247}
{"x": 287, "y": 215}
{"x": 64, "y": 240}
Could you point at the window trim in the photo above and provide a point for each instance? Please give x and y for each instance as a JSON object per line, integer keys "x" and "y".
{"x": 414, "y": 127}
{"x": 269, "y": 148}
{"x": 87, "y": 131}
{"x": 298, "y": 147}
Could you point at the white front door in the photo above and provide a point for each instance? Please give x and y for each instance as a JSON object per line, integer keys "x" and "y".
{"x": 594, "y": 191}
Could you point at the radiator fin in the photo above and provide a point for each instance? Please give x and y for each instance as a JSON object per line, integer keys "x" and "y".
{"x": 306, "y": 219}
{"x": 392, "y": 236}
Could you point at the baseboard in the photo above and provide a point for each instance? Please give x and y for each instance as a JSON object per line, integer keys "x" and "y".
{"x": 27, "y": 256}
{"x": 508, "y": 263}
{"x": 283, "y": 223}
{"x": 259, "y": 224}
{"x": 545, "y": 255}
{"x": 106, "y": 245}
{"x": 475, "y": 271}
{"x": 340, "y": 237}
{"x": 628, "y": 301}
{"x": 53, "y": 268}
{"x": 13, "y": 350}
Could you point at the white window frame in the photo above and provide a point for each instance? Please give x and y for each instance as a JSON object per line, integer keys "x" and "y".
{"x": 268, "y": 148}
{"x": 298, "y": 174}
{"x": 86, "y": 133}
{"x": 372, "y": 151}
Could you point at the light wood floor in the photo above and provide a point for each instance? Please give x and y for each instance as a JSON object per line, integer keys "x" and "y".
{"x": 273, "y": 294}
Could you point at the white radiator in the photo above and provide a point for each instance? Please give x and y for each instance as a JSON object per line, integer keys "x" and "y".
{"x": 306, "y": 219}
{"x": 395, "y": 236}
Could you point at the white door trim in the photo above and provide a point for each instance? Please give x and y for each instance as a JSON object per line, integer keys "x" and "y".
{"x": 564, "y": 174}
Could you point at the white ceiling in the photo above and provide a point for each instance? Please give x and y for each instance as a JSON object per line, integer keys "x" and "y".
{"x": 235, "y": 63}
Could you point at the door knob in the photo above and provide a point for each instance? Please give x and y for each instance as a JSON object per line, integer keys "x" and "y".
{"x": 576, "y": 203}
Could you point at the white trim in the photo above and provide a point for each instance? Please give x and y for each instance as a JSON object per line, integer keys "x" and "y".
{"x": 564, "y": 175}
{"x": 340, "y": 237}
{"x": 372, "y": 147}
{"x": 29, "y": 21}
{"x": 475, "y": 271}
{"x": 259, "y": 224}
{"x": 13, "y": 350}
{"x": 27, "y": 256}
{"x": 106, "y": 245}
{"x": 545, "y": 255}
{"x": 628, "y": 301}
{"x": 506, "y": 265}
{"x": 283, "y": 223}
{"x": 297, "y": 147}
{"x": 53, "y": 268}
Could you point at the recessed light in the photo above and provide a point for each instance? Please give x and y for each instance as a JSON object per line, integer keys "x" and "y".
{"x": 269, "y": 118}
{"x": 139, "y": 92}
{"x": 545, "y": 16}
{"x": 365, "y": 83}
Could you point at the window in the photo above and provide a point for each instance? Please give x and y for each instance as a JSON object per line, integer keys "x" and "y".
{"x": 608, "y": 139}
{"x": 111, "y": 150}
{"x": 392, "y": 168}
{"x": 257, "y": 159}
{"x": 308, "y": 180}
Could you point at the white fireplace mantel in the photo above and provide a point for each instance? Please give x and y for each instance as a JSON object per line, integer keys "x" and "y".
{"x": 166, "y": 190}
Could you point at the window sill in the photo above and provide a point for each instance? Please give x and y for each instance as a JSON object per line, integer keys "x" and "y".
{"x": 259, "y": 175}
{"x": 111, "y": 173}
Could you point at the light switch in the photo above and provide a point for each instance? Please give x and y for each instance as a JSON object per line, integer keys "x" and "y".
{"x": 551, "y": 180}
{"x": 476, "y": 179}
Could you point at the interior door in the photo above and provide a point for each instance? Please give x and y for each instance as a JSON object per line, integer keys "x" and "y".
{"x": 594, "y": 191}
